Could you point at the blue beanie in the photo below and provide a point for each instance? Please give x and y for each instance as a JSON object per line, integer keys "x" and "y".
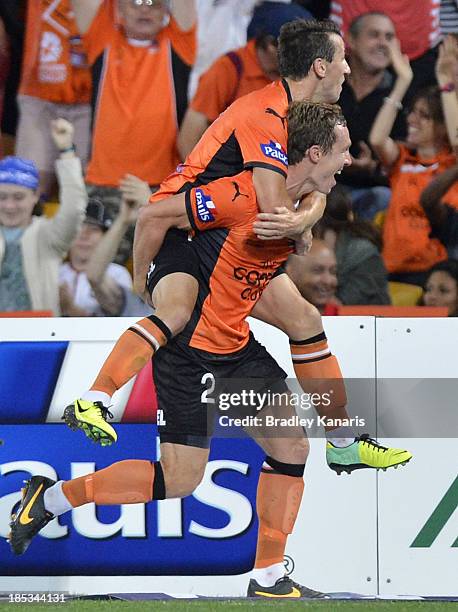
{"x": 19, "y": 171}
{"x": 269, "y": 17}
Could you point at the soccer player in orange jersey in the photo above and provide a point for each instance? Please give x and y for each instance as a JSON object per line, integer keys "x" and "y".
{"x": 251, "y": 134}
{"x": 235, "y": 268}
{"x": 221, "y": 347}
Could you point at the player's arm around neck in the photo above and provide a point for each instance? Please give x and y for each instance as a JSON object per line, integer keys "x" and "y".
{"x": 271, "y": 190}
{"x": 279, "y": 218}
{"x": 184, "y": 13}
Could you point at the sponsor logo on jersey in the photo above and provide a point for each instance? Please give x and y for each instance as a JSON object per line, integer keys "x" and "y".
{"x": 274, "y": 150}
{"x": 204, "y": 205}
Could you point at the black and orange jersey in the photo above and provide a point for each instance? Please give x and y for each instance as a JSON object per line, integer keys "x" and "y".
{"x": 251, "y": 133}
{"x": 235, "y": 266}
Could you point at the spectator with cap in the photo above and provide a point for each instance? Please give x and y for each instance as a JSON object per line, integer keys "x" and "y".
{"x": 90, "y": 283}
{"x": 238, "y": 72}
{"x": 32, "y": 247}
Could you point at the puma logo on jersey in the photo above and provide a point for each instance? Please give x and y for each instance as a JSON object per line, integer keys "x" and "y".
{"x": 238, "y": 193}
{"x": 271, "y": 111}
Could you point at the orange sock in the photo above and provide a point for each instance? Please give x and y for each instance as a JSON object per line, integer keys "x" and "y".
{"x": 131, "y": 352}
{"x": 318, "y": 371}
{"x": 277, "y": 502}
{"x": 124, "y": 482}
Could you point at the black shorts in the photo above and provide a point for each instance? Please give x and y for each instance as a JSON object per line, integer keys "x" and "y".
{"x": 187, "y": 379}
{"x": 175, "y": 255}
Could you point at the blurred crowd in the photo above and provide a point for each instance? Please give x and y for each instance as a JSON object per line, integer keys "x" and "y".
{"x": 102, "y": 99}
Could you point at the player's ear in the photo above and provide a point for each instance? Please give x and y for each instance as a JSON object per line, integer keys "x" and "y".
{"x": 319, "y": 67}
{"x": 315, "y": 153}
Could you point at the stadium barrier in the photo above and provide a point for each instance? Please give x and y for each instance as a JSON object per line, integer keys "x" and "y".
{"x": 368, "y": 533}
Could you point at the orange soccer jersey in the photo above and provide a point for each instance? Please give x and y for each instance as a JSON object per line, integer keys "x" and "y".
{"x": 54, "y": 66}
{"x": 140, "y": 98}
{"x": 230, "y": 77}
{"x": 235, "y": 266}
{"x": 251, "y": 133}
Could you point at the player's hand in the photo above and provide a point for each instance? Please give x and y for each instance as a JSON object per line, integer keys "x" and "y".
{"x": 303, "y": 245}
{"x": 135, "y": 190}
{"x": 62, "y": 132}
{"x": 282, "y": 223}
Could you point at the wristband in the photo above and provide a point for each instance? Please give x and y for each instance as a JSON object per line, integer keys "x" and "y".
{"x": 71, "y": 148}
{"x": 395, "y": 103}
{"x": 447, "y": 87}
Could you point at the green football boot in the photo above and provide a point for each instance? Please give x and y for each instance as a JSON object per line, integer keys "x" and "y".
{"x": 91, "y": 417}
{"x": 363, "y": 453}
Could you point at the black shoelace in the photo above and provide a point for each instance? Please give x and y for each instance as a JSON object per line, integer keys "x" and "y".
{"x": 371, "y": 442}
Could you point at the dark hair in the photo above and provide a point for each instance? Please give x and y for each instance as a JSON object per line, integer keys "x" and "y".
{"x": 450, "y": 266}
{"x": 263, "y": 40}
{"x": 432, "y": 96}
{"x": 337, "y": 217}
{"x": 301, "y": 42}
{"x": 355, "y": 27}
{"x": 311, "y": 123}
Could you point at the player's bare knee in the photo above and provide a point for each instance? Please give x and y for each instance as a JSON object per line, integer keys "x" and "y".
{"x": 182, "y": 483}
{"x": 183, "y": 468}
{"x": 182, "y": 314}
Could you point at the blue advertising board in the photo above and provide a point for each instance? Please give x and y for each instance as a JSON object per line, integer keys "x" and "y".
{"x": 212, "y": 532}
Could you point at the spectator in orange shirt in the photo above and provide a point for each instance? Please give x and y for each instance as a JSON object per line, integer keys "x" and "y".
{"x": 408, "y": 250}
{"x": 238, "y": 72}
{"x": 140, "y": 55}
{"x": 55, "y": 83}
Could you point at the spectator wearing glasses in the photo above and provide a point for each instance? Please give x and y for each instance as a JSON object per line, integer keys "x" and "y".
{"x": 140, "y": 53}
{"x": 432, "y": 136}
